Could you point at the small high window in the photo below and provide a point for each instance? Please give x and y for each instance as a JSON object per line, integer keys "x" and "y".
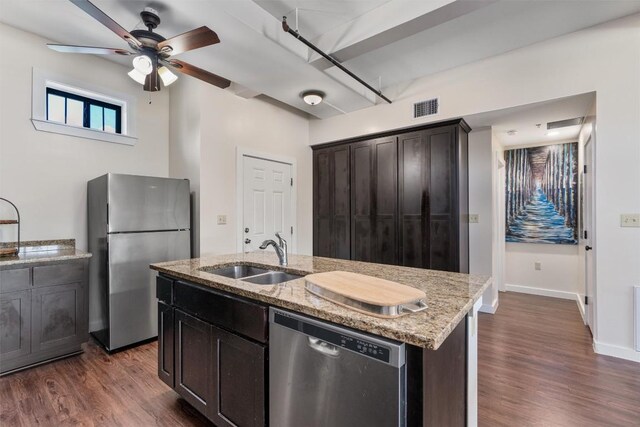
{"x": 80, "y": 111}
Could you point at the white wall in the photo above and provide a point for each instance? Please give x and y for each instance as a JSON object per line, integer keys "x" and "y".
{"x": 602, "y": 59}
{"x": 558, "y": 276}
{"x": 480, "y": 203}
{"x": 184, "y": 147}
{"x": 45, "y": 174}
{"x": 225, "y": 122}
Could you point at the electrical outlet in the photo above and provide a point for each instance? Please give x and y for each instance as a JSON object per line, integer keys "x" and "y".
{"x": 538, "y": 265}
{"x": 474, "y": 218}
{"x": 630, "y": 220}
{"x": 222, "y": 219}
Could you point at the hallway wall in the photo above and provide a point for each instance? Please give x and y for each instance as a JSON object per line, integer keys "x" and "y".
{"x": 558, "y": 276}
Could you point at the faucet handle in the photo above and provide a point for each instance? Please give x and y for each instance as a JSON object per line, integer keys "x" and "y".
{"x": 280, "y": 239}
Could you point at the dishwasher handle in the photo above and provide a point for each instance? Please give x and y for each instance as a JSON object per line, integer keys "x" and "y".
{"x": 323, "y": 347}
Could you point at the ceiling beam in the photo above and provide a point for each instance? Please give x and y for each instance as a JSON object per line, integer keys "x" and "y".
{"x": 391, "y": 22}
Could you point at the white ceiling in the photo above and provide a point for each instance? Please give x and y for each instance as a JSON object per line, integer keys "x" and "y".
{"x": 392, "y": 40}
{"x": 523, "y": 119}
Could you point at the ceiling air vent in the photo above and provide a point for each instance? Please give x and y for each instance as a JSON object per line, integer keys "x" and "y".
{"x": 564, "y": 123}
{"x": 425, "y": 108}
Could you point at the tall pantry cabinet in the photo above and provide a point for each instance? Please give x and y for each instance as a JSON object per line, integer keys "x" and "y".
{"x": 399, "y": 198}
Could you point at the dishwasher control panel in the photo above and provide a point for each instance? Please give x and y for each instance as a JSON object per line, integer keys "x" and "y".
{"x": 355, "y": 344}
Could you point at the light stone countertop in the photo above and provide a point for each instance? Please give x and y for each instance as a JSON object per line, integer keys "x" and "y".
{"x": 38, "y": 251}
{"x": 450, "y": 296}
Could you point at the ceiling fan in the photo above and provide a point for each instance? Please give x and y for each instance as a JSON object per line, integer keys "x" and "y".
{"x": 154, "y": 54}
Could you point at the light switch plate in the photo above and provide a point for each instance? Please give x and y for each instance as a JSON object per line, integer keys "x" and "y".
{"x": 474, "y": 218}
{"x": 538, "y": 265}
{"x": 222, "y": 219}
{"x": 630, "y": 220}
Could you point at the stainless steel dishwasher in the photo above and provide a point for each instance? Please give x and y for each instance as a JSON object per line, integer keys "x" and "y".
{"x": 325, "y": 375}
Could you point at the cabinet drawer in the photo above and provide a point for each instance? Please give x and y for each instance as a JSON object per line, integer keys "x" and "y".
{"x": 15, "y": 280}
{"x": 232, "y": 313}
{"x": 58, "y": 274}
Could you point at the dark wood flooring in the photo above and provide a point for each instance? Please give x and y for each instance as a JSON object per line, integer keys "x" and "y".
{"x": 536, "y": 368}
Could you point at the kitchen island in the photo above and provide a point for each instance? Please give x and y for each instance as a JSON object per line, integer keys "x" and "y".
{"x": 43, "y": 303}
{"x": 214, "y": 328}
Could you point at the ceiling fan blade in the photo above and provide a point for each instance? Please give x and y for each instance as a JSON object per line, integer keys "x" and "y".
{"x": 199, "y": 73}
{"x": 194, "y": 39}
{"x": 105, "y": 20}
{"x": 88, "y": 49}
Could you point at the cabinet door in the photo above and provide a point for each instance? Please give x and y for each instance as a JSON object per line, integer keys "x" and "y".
{"x": 165, "y": 343}
{"x": 58, "y": 316}
{"x": 239, "y": 375}
{"x": 413, "y": 191}
{"x": 443, "y": 203}
{"x": 331, "y": 204}
{"x": 374, "y": 177}
{"x": 15, "y": 325}
{"x": 194, "y": 361}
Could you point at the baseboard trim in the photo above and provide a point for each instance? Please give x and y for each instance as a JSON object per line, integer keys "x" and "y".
{"x": 541, "y": 291}
{"x": 616, "y": 351}
{"x": 582, "y": 308}
{"x": 489, "y": 308}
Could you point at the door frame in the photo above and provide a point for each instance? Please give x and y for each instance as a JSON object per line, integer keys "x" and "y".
{"x": 241, "y": 153}
{"x": 591, "y": 311}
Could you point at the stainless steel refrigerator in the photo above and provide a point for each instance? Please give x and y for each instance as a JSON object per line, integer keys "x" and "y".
{"x": 133, "y": 221}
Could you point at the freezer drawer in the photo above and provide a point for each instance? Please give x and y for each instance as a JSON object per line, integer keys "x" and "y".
{"x": 131, "y": 294}
{"x": 142, "y": 203}
{"x": 322, "y": 375}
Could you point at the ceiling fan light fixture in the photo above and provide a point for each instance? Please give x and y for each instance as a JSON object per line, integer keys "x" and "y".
{"x": 313, "y": 97}
{"x": 137, "y": 76}
{"x": 167, "y": 76}
{"x": 143, "y": 64}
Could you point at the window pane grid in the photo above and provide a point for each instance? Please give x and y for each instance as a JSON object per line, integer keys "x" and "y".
{"x": 80, "y": 111}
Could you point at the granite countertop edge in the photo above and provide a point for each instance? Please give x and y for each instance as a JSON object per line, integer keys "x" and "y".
{"x": 429, "y": 339}
{"x": 44, "y": 251}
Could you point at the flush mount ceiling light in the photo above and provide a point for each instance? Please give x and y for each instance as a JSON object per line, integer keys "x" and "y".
{"x": 313, "y": 97}
{"x": 512, "y": 132}
{"x": 154, "y": 55}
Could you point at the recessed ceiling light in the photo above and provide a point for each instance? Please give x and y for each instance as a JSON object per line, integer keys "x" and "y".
{"x": 313, "y": 97}
{"x": 553, "y": 133}
{"x": 512, "y": 132}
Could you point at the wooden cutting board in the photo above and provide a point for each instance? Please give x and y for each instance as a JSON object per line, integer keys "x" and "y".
{"x": 365, "y": 289}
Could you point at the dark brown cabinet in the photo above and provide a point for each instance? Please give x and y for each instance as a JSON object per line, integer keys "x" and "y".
{"x": 43, "y": 312}
{"x": 220, "y": 372}
{"x": 165, "y": 344}
{"x": 194, "y": 362}
{"x": 331, "y": 211}
{"x": 408, "y": 193}
{"x": 238, "y": 380}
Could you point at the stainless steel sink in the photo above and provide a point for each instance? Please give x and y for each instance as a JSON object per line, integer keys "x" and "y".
{"x": 236, "y": 271}
{"x": 272, "y": 278}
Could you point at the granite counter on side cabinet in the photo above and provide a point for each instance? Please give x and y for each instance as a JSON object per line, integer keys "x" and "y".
{"x": 43, "y": 251}
{"x": 450, "y": 296}
{"x": 43, "y": 303}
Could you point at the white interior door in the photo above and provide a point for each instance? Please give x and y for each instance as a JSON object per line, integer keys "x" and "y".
{"x": 587, "y": 238}
{"x": 267, "y": 205}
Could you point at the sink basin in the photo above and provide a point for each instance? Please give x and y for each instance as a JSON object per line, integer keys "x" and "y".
{"x": 271, "y": 278}
{"x": 236, "y": 271}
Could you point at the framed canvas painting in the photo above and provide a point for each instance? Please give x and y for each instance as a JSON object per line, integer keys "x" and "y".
{"x": 541, "y": 194}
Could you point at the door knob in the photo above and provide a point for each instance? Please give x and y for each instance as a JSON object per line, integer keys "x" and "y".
{"x": 247, "y": 241}
{"x": 246, "y": 230}
{"x": 587, "y": 248}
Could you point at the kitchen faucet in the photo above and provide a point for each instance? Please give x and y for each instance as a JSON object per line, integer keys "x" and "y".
{"x": 281, "y": 249}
